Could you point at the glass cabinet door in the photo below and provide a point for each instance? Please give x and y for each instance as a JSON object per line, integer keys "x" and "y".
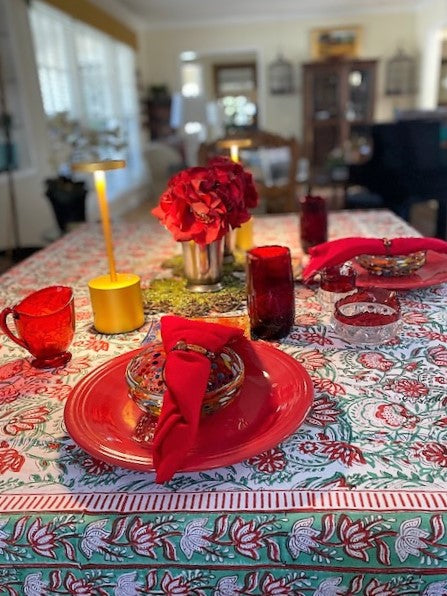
{"x": 325, "y": 92}
{"x": 360, "y": 96}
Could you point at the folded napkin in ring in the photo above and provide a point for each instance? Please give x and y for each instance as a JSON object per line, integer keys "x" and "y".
{"x": 189, "y": 346}
{"x": 339, "y": 251}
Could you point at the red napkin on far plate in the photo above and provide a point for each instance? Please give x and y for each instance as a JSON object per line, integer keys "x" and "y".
{"x": 186, "y": 375}
{"x": 339, "y": 251}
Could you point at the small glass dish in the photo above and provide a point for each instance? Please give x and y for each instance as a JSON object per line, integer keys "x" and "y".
{"x": 144, "y": 376}
{"x": 369, "y": 316}
{"x": 393, "y": 265}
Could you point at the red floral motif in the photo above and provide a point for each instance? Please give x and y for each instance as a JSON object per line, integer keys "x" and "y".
{"x": 435, "y": 453}
{"x": 80, "y": 587}
{"x": 276, "y": 587}
{"x": 412, "y": 366}
{"x": 145, "y": 538}
{"x": 359, "y": 535}
{"x": 306, "y": 319}
{"x": 26, "y": 420}
{"x": 337, "y": 481}
{"x": 375, "y": 588}
{"x": 324, "y": 411}
{"x": 307, "y": 447}
{"x": 11, "y": 390}
{"x": 93, "y": 343}
{"x": 10, "y": 459}
{"x": 96, "y": 467}
{"x": 414, "y": 318}
{"x": 312, "y": 360}
{"x": 269, "y": 461}
{"x": 57, "y": 390}
{"x": 246, "y": 538}
{"x": 408, "y": 387}
{"x": 303, "y": 293}
{"x": 317, "y": 338}
{"x": 435, "y": 335}
{"x": 42, "y": 538}
{"x": 375, "y": 360}
{"x": 396, "y": 416}
{"x": 178, "y": 586}
{"x": 328, "y": 386}
{"x": 201, "y": 204}
{"x": 11, "y": 369}
{"x": 83, "y": 316}
{"x": 346, "y": 453}
{"x": 438, "y": 355}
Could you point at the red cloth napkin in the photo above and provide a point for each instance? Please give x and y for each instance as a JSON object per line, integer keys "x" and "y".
{"x": 186, "y": 375}
{"x": 339, "y": 251}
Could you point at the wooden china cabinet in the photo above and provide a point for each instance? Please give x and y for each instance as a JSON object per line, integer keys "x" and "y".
{"x": 339, "y": 100}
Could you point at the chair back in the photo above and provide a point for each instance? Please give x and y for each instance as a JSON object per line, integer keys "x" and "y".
{"x": 271, "y": 158}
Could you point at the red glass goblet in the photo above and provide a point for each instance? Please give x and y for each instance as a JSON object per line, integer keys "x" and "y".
{"x": 45, "y": 325}
{"x": 270, "y": 291}
{"x": 313, "y": 221}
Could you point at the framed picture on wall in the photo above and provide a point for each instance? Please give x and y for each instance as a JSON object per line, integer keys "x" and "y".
{"x": 336, "y": 42}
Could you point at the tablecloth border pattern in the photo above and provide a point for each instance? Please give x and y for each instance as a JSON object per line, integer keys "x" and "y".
{"x": 228, "y": 501}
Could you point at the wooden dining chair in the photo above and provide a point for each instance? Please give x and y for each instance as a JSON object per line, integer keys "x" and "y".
{"x": 273, "y": 161}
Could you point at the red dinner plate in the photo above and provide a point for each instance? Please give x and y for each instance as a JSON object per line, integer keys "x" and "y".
{"x": 275, "y": 398}
{"x": 434, "y": 272}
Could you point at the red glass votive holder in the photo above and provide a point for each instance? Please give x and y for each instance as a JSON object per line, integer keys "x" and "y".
{"x": 336, "y": 282}
{"x": 370, "y": 316}
{"x": 313, "y": 221}
{"x": 270, "y": 292}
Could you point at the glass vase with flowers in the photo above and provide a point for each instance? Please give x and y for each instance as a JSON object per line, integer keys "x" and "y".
{"x": 199, "y": 206}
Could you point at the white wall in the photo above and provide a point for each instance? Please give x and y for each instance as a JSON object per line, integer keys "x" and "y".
{"x": 382, "y": 35}
{"x": 431, "y": 21}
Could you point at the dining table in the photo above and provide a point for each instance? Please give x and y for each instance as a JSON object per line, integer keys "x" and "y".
{"x": 352, "y": 501}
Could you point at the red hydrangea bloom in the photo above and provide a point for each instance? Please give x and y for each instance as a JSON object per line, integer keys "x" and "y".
{"x": 202, "y": 203}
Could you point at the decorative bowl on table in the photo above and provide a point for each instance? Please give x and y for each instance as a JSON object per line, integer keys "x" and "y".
{"x": 145, "y": 379}
{"x": 393, "y": 265}
{"x": 370, "y": 316}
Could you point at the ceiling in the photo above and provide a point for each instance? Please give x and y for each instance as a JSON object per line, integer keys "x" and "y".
{"x": 146, "y": 14}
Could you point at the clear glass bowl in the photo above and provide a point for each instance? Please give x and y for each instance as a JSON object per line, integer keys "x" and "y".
{"x": 145, "y": 379}
{"x": 393, "y": 265}
{"x": 367, "y": 317}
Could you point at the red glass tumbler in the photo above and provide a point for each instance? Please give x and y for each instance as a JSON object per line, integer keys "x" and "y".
{"x": 313, "y": 221}
{"x": 338, "y": 279}
{"x": 270, "y": 291}
{"x": 45, "y": 325}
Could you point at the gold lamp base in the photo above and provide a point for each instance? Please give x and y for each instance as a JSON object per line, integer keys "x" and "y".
{"x": 117, "y": 305}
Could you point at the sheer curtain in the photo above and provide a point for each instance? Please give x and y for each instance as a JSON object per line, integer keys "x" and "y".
{"x": 91, "y": 77}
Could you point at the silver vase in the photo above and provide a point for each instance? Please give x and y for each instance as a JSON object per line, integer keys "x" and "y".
{"x": 203, "y": 265}
{"x": 229, "y": 246}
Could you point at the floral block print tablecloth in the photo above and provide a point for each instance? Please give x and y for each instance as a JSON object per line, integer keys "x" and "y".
{"x": 354, "y": 502}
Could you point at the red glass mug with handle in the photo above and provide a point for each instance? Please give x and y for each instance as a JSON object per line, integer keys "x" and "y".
{"x": 45, "y": 324}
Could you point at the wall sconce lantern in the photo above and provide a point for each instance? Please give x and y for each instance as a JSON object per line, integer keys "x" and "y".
{"x": 401, "y": 74}
{"x": 280, "y": 76}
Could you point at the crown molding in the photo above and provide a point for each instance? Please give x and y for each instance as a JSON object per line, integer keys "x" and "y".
{"x": 186, "y": 14}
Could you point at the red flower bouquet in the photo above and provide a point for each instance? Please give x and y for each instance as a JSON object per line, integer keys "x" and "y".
{"x": 203, "y": 203}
